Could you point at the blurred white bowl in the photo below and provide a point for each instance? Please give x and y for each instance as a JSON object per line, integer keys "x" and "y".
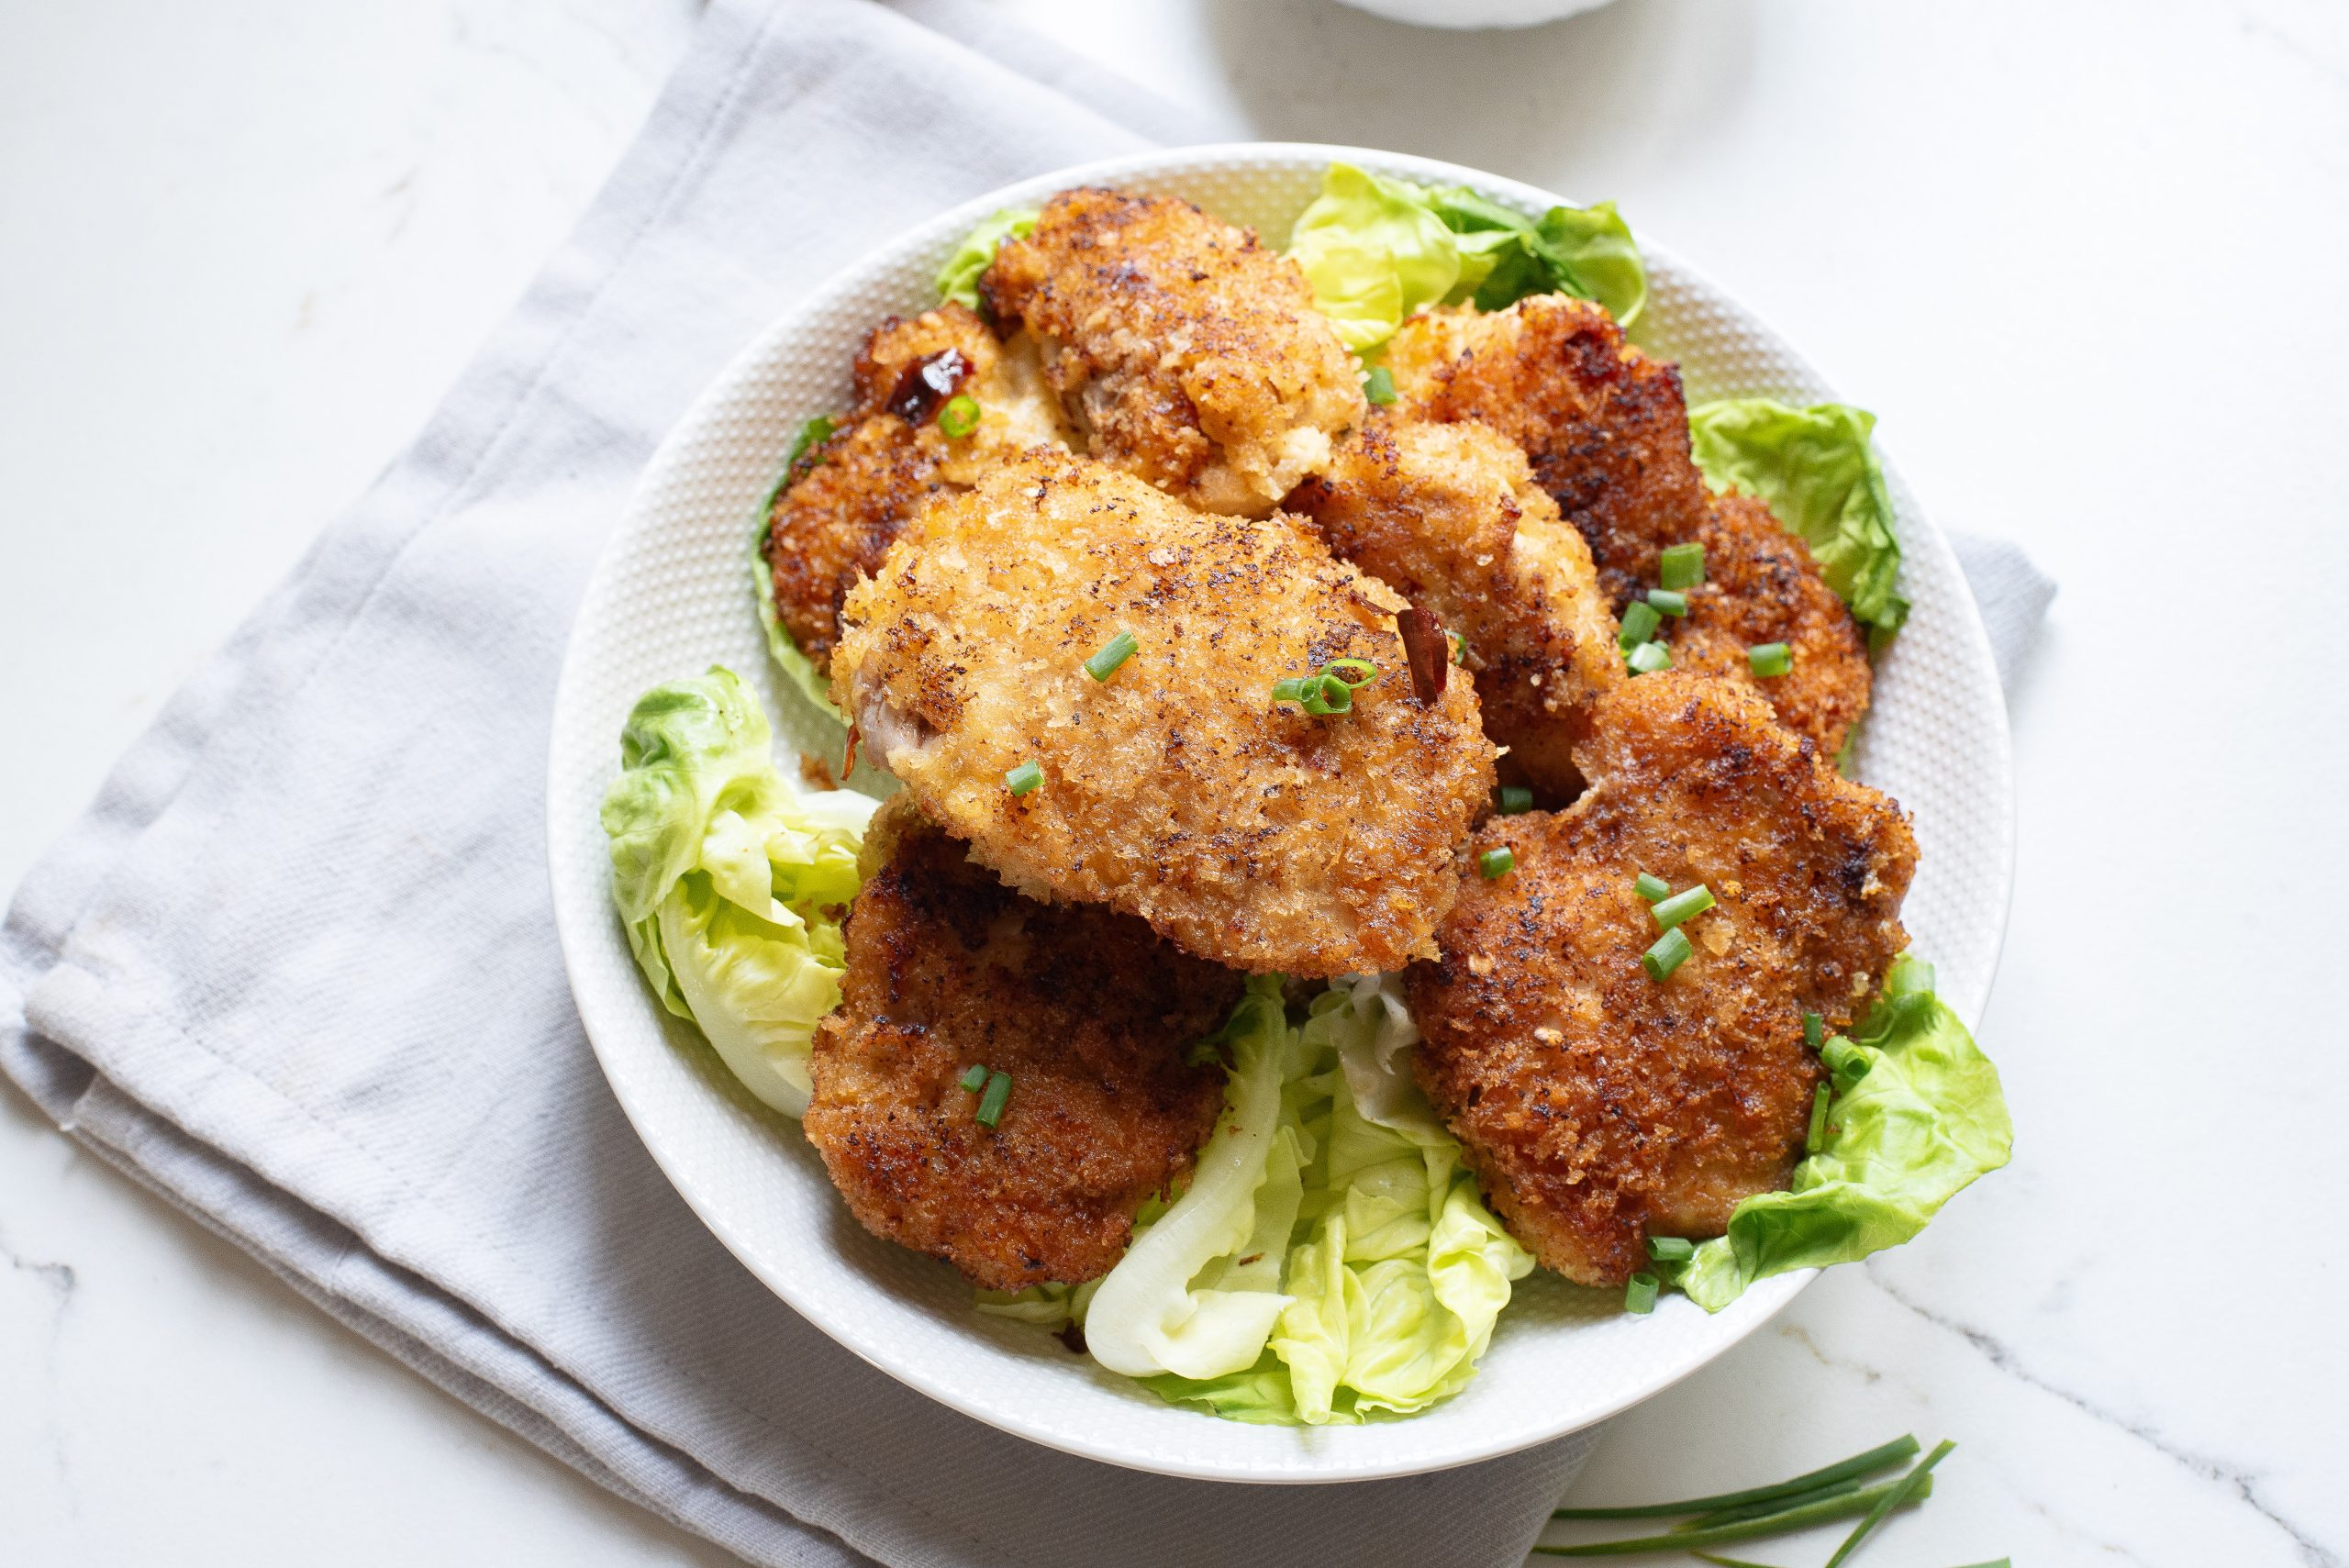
{"x": 1461, "y": 15}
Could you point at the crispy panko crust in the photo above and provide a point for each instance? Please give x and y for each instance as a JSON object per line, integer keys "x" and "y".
{"x": 1190, "y": 354}
{"x": 1252, "y": 835}
{"x": 1605, "y": 427}
{"x": 1088, "y": 1013}
{"x": 1761, "y": 585}
{"x": 1600, "y": 1106}
{"x": 839, "y": 509}
{"x": 1449, "y": 517}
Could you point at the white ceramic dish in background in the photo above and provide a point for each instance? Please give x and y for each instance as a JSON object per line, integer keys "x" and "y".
{"x": 1461, "y": 15}
{"x": 673, "y": 596}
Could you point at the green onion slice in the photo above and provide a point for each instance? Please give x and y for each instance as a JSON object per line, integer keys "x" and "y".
{"x": 1884, "y": 1456}
{"x": 1516, "y": 800}
{"x": 1799, "y": 1516}
{"x": 1639, "y": 1295}
{"x": 974, "y": 1077}
{"x": 1671, "y": 951}
{"x": 1913, "y": 1484}
{"x": 1680, "y": 905}
{"x": 1769, "y": 659}
{"x": 1650, "y": 657}
{"x": 1114, "y": 652}
{"x": 1378, "y": 386}
{"x": 1496, "y": 863}
{"x": 1846, "y": 1061}
{"x": 1651, "y": 887}
{"x": 1023, "y": 778}
{"x": 991, "y": 1104}
{"x": 1671, "y": 601}
{"x": 960, "y": 416}
{"x": 1814, "y": 1030}
{"x": 1640, "y": 621}
{"x": 1329, "y": 689}
{"x": 1816, "y": 1138}
{"x": 1681, "y": 565}
{"x": 1670, "y": 1249}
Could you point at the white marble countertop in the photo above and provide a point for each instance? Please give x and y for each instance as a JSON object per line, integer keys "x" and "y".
{"x": 2086, "y": 261}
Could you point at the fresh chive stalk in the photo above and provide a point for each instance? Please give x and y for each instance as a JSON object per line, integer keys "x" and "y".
{"x": 1639, "y": 1294}
{"x": 960, "y": 416}
{"x": 1670, "y": 601}
{"x": 1769, "y": 659}
{"x": 1516, "y": 800}
{"x": 1648, "y": 657}
{"x": 1023, "y": 778}
{"x": 1681, "y": 565}
{"x": 1816, "y": 1138}
{"x": 999, "y": 1094}
{"x": 1670, "y": 1249}
{"x": 1640, "y": 622}
{"x": 1800, "y": 1517}
{"x": 1671, "y": 951}
{"x": 1651, "y": 887}
{"x": 1378, "y": 386}
{"x": 1114, "y": 652}
{"x": 1884, "y": 1456}
{"x": 1496, "y": 863}
{"x": 1670, "y": 912}
{"x": 1738, "y": 1512}
{"x": 974, "y": 1077}
{"x": 1917, "y": 1484}
{"x": 1814, "y": 1030}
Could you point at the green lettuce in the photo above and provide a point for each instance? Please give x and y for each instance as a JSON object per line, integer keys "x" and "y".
{"x": 796, "y": 666}
{"x": 730, "y": 882}
{"x": 1817, "y": 470}
{"x": 958, "y": 280}
{"x": 1332, "y": 1259}
{"x": 1917, "y": 1115}
{"x": 1377, "y": 250}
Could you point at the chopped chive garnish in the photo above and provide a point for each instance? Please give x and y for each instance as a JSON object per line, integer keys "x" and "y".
{"x": 1796, "y": 1516}
{"x": 1671, "y": 951}
{"x": 1378, "y": 386}
{"x": 1496, "y": 863}
{"x": 1768, "y": 658}
{"x": 1328, "y": 690}
{"x": 1884, "y": 1456}
{"x": 1916, "y": 1484}
{"x": 1671, "y": 601}
{"x": 991, "y": 1104}
{"x": 1639, "y": 1295}
{"x": 1650, "y": 657}
{"x": 1816, "y": 1138}
{"x": 1459, "y": 646}
{"x": 974, "y": 1077}
{"x": 1651, "y": 887}
{"x": 1114, "y": 652}
{"x": 1516, "y": 800}
{"x": 1846, "y": 1062}
{"x": 1670, "y": 1249}
{"x": 1681, "y": 565}
{"x": 1023, "y": 778}
{"x": 1680, "y": 905}
{"x": 1814, "y": 1030}
{"x": 1640, "y": 621}
{"x": 960, "y": 416}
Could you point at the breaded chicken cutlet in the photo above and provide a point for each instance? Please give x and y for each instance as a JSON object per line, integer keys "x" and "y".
{"x": 1185, "y": 352}
{"x": 1449, "y": 517}
{"x": 1606, "y": 430}
{"x": 1600, "y": 1107}
{"x": 1088, "y": 1013}
{"x": 1253, "y": 834}
{"x": 849, "y": 494}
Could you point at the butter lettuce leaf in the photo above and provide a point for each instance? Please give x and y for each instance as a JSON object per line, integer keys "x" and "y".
{"x": 731, "y": 883}
{"x": 958, "y": 279}
{"x": 1816, "y": 468}
{"x": 1378, "y": 250}
{"x": 1925, "y": 1117}
{"x": 1391, "y": 1273}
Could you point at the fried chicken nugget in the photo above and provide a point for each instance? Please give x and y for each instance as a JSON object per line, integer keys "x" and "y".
{"x": 1253, "y": 834}
{"x": 1087, "y": 1012}
{"x": 1605, "y": 427}
{"x": 1762, "y": 587}
{"x": 848, "y": 496}
{"x": 1600, "y": 1106}
{"x": 1449, "y": 517}
{"x": 1187, "y": 353}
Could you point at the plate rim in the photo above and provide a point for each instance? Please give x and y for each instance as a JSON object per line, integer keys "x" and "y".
{"x": 1760, "y": 1304}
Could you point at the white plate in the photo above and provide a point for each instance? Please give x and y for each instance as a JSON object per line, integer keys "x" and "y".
{"x": 673, "y": 596}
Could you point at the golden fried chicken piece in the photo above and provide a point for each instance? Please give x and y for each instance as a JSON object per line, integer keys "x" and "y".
{"x": 1606, "y": 427}
{"x": 839, "y": 509}
{"x": 1597, "y": 1106}
{"x": 1253, "y": 834}
{"x": 1087, "y": 1012}
{"x": 1448, "y": 516}
{"x": 1761, "y": 586}
{"x": 1187, "y": 353}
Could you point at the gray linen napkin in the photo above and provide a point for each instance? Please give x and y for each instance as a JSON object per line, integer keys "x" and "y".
{"x": 295, "y": 971}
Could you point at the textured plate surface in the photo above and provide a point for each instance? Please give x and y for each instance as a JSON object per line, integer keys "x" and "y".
{"x": 673, "y": 596}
